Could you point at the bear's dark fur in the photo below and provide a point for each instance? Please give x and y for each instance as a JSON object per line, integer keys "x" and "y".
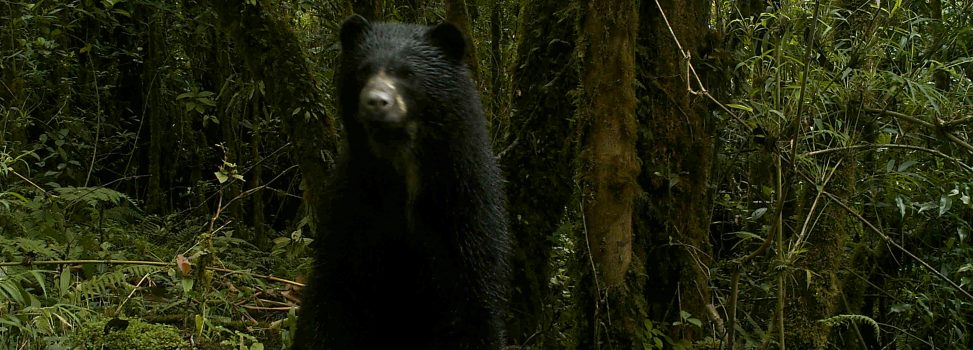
{"x": 412, "y": 252}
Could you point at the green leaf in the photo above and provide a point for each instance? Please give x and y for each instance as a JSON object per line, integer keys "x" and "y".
{"x": 221, "y": 177}
{"x": 927, "y": 206}
{"x": 740, "y": 107}
{"x": 187, "y": 284}
{"x": 65, "y": 281}
{"x": 900, "y": 307}
{"x": 905, "y": 165}
{"x": 757, "y": 213}
{"x": 944, "y": 204}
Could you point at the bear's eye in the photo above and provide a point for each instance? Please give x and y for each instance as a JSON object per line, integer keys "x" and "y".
{"x": 404, "y": 72}
{"x": 362, "y": 71}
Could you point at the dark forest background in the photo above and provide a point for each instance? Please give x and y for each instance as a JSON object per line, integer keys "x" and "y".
{"x": 681, "y": 174}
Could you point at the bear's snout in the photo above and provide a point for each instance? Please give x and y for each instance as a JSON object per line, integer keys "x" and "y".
{"x": 381, "y": 102}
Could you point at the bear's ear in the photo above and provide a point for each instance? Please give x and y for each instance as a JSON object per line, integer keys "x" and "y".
{"x": 352, "y": 30}
{"x": 448, "y": 38}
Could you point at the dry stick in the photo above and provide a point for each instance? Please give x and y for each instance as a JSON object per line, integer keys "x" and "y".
{"x": 118, "y": 310}
{"x": 258, "y": 188}
{"x": 594, "y": 271}
{"x": 94, "y": 152}
{"x": 951, "y": 136}
{"x": 891, "y": 145}
{"x": 689, "y": 68}
{"x": 148, "y": 263}
{"x": 805, "y": 230}
{"x": 28, "y": 181}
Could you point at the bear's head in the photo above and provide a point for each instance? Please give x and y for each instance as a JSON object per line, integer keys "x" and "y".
{"x": 398, "y": 83}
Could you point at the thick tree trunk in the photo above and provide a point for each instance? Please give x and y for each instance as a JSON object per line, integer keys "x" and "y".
{"x": 677, "y": 145}
{"x": 273, "y": 55}
{"x": 155, "y": 113}
{"x": 608, "y": 168}
{"x": 538, "y": 162}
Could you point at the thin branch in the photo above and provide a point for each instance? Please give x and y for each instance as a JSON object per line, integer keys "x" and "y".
{"x": 147, "y": 263}
{"x": 258, "y": 188}
{"x": 951, "y": 136}
{"x": 953, "y": 123}
{"x": 28, "y": 180}
{"x": 896, "y": 245}
{"x": 687, "y": 57}
{"x": 805, "y": 228}
{"x": 807, "y": 70}
{"x": 901, "y": 116}
{"x": 94, "y": 152}
{"x": 889, "y": 145}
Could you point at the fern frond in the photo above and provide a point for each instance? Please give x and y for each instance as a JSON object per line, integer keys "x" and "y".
{"x": 118, "y": 278}
{"x": 844, "y": 320}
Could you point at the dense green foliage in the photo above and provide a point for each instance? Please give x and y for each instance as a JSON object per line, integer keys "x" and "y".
{"x": 146, "y": 172}
{"x": 136, "y": 335}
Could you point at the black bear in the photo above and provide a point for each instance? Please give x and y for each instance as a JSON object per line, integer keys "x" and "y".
{"x": 412, "y": 252}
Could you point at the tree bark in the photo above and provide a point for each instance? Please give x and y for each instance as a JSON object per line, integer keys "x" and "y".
{"x": 678, "y": 148}
{"x": 608, "y": 167}
{"x": 539, "y": 161}
{"x": 273, "y": 55}
{"x": 155, "y": 112}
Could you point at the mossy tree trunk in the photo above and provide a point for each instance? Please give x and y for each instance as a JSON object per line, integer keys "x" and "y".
{"x": 538, "y": 162}
{"x": 677, "y": 143}
{"x": 155, "y": 112}
{"x": 815, "y": 291}
{"x": 607, "y": 171}
{"x": 273, "y": 55}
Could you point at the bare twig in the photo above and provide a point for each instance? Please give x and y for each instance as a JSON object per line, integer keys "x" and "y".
{"x": 876, "y": 145}
{"x": 94, "y": 152}
{"x": 687, "y": 57}
{"x": 891, "y": 242}
{"x": 147, "y": 263}
{"x": 951, "y": 136}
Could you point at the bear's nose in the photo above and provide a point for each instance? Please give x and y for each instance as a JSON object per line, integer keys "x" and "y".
{"x": 380, "y": 102}
{"x": 377, "y": 100}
